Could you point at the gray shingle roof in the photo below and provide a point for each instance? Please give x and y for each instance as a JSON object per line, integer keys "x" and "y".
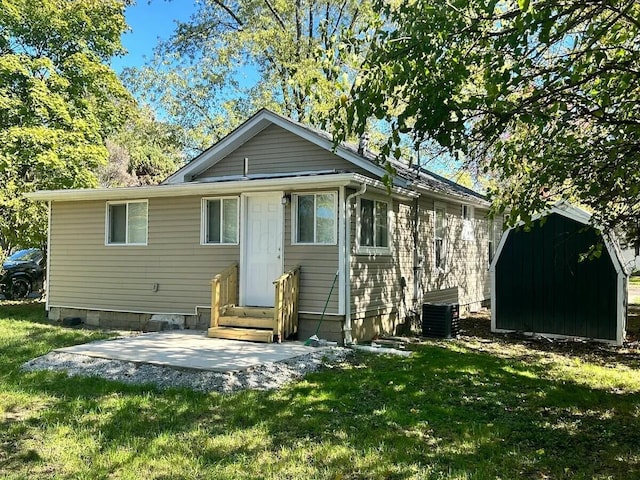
{"x": 419, "y": 176}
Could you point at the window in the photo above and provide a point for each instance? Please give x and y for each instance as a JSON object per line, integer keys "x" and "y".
{"x": 467, "y": 223}
{"x": 315, "y": 218}
{"x": 374, "y": 226}
{"x": 439, "y": 233}
{"x": 467, "y": 212}
{"x": 220, "y": 220}
{"x": 127, "y": 223}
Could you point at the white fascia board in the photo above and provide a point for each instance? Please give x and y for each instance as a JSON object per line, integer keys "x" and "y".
{"x": 251, "y": 128}
{"x": 219, "y": 188}
{"x": 187, "y": 189}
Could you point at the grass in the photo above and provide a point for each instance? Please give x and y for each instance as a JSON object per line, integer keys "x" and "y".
{"x": 469, "y": 409}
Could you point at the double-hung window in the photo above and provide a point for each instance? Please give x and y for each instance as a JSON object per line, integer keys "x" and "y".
{"x": 467, "y": 223}
{"x": 439, "y": 237}
{"x": 373, "y": 221}
{"x": 127, "y": 223}
{"x": 315, "y": 218}
{"x": 220, "y": 220}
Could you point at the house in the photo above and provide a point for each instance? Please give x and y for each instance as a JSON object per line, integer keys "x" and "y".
{"x": 272, "y": 195}
{"x": 540, "y": 284}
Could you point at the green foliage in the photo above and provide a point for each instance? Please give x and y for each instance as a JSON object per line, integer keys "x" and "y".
{"x": 58, "y": 100}
{"x": 197, "y": 78}
{"x": 545, "y": 94}
{"x": 144, "y": 151}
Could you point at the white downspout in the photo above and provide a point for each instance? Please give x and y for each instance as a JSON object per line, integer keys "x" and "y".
{"x": 348, "y": 339}
{"x": 48, "y": 253}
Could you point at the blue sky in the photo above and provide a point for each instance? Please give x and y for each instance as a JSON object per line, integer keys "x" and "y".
{"x": 149, "y": 21}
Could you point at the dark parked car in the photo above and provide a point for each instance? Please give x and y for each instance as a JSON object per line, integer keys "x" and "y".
{"x": 22, "y": 273}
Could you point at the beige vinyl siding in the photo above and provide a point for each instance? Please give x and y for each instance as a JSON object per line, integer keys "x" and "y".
{"x": 376, "y": 279}
{"x": 84, "y": 273}
{"x": 318, "y": 266}
{"x": 448, "y": 295}
{"x": 466, "y": 264}
{"x": 276, "y": 150}
{"x": 376, "y": 293}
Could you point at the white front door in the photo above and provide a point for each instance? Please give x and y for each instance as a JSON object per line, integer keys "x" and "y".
{"x": 261, "y": 259}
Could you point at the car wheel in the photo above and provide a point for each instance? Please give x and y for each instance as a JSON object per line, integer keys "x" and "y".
{"x": 20, "y": 288}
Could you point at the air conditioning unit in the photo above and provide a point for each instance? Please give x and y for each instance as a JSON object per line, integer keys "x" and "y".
{"x": 440, "y": 320}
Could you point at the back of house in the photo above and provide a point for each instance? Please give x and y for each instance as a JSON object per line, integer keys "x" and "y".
{"x": 273, "y": 197}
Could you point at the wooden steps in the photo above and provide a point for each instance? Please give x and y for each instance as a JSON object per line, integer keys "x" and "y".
{"x": 254, "y": 312}
{"x": 251, "y": 324}
{"x": 245, "y": 322}
{"x": 246, "y": 334}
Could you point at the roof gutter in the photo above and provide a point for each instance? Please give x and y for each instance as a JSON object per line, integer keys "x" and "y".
{"x": 217, "y": 188}
{"x": 348, "y": 338}
{"x": 187, "y": 189}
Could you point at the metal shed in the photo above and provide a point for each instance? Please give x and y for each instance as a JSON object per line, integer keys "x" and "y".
{"x": 539, "y": 285}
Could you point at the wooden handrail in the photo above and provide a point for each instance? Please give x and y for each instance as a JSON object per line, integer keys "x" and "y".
{"x": 224, "y": 291}
{"x": 285, "y": 312}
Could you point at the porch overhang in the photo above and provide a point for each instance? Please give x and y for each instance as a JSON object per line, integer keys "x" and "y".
{"x": 221, "y": 187}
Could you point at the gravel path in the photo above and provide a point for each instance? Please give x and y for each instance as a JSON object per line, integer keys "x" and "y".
{"x": 264, "y": 377}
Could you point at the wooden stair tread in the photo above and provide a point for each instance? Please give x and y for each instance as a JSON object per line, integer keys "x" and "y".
{"x": 247, "y": 334}
{"x": 253, "y": 312}
{"x": 245, "y": 322}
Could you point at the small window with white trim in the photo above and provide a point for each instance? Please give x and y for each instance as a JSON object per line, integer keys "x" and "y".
{"x": 467, "y": 223}
{"x": 127, "y": 223}
{"x": 220, "y": 219}
{"x": 373, "y": 221}
{"x": 467, "y": 212}
{"x": 314, "y": 218}
{"x": 439, "y": 236}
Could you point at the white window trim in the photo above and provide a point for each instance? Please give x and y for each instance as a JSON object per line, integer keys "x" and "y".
{"x": 126, "y": 233}
{"x": 203, "y": 221}
{"x": 468, "y": 230}
{"x": 440, "y": 206}
{"x": 294, "y": 218}
{"x": 369, "y": 250}
{"x": 470, "y": 209}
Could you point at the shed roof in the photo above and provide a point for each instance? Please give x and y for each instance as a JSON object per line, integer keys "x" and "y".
{"x": 573, "y": 212}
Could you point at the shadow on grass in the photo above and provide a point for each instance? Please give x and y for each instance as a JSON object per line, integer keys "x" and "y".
{"x": 447, "y": 411}
{"x": 478, "y": 326}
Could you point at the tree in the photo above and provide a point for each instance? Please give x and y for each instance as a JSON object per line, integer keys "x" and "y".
{"x": 545, "y": 94}
{"x": 58, "y": 101}
{"x": 144, "y": 151}
{"x": 197, "y": 77}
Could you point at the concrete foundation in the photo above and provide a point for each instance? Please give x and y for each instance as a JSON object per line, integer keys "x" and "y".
{"x": 331, "y": 328}
{"x": 145, "y": 322}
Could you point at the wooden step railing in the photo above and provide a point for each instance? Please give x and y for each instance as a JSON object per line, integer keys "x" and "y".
{"x": 224, "y": 292}
{"x": 285, "y": 315}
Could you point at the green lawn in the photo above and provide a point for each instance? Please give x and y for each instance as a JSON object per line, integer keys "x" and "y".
{"x": 473, "y": 408}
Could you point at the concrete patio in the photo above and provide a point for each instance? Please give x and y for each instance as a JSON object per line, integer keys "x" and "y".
{"x": 190, "y": 349}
